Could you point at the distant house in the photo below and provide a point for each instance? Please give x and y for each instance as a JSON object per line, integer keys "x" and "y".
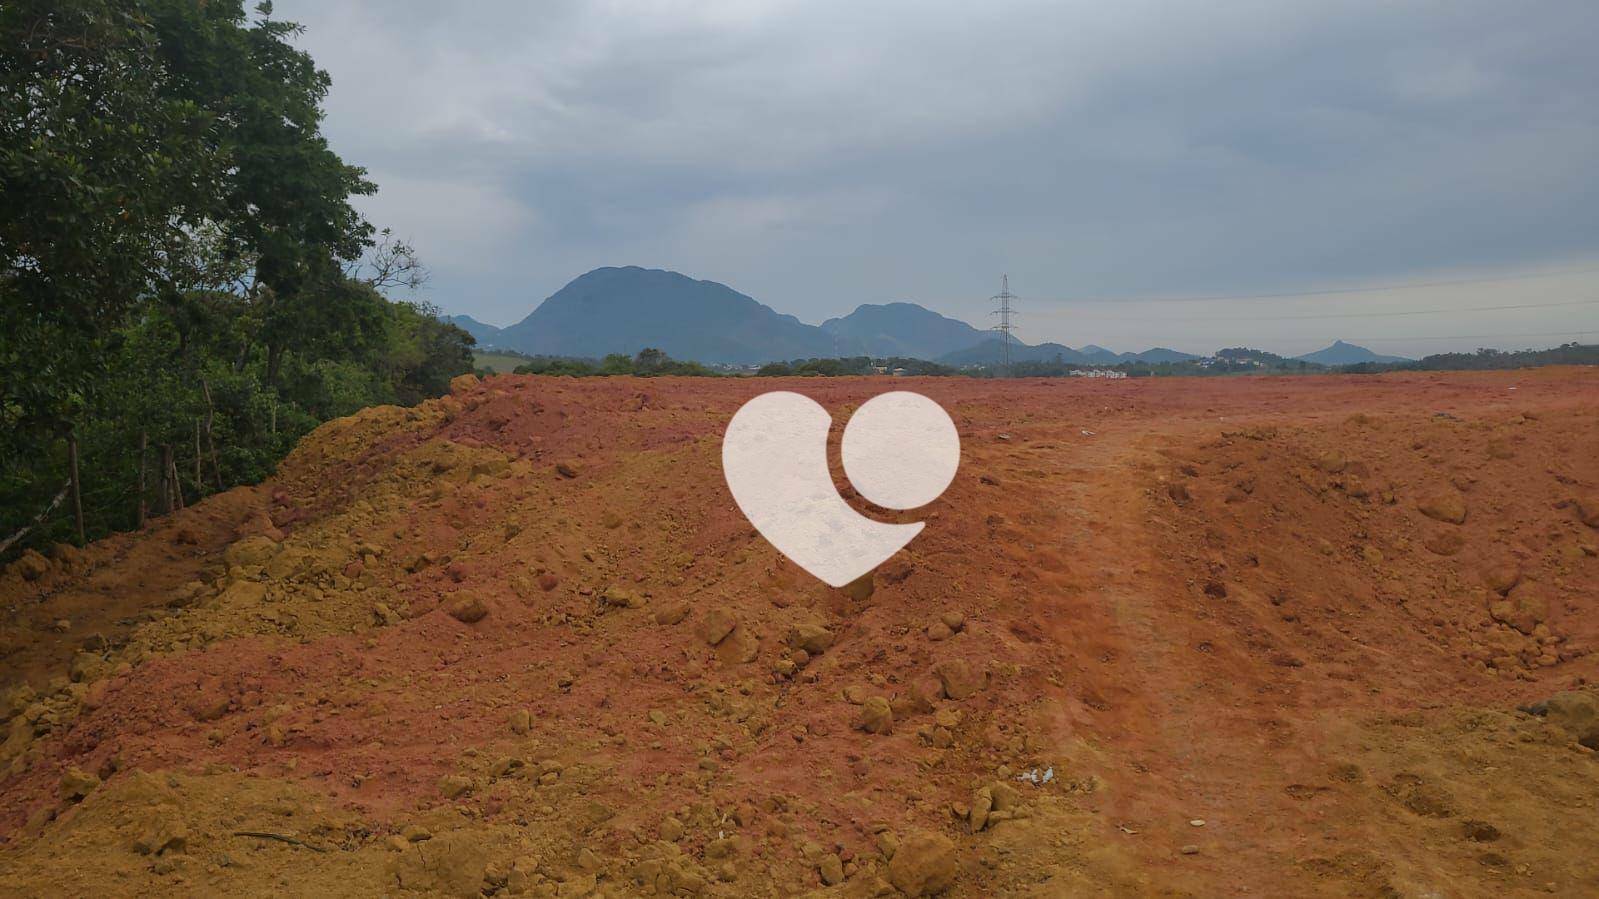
{"x": 1098, "y": 373}
{"x": 899, "y": 372}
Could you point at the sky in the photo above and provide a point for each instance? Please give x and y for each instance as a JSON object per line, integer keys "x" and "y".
{"x": 1116, "y": 159}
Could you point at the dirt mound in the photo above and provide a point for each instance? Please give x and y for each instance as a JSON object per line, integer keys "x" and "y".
{"x": 1174, "y": 637}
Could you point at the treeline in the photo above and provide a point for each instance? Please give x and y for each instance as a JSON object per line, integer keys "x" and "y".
{"x": 1487, "y": 359}
{"x": 648, "y": 363}
{"x": 185, "y": 288}
{"x": 855, "y": 365}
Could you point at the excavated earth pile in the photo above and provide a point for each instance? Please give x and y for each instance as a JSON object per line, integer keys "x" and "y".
{"x": 1319, "y": 636}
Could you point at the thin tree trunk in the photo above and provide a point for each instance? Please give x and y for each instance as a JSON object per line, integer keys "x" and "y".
{"x": 172, "y": 477}
{"x": 77, "y": 485}
{"x": 199, "y": 479}
{"x": 43, "y": 513}
{"x": 144, "y": 442}
{"x": 210, "y": 437}
{"x": 167, "y": 505}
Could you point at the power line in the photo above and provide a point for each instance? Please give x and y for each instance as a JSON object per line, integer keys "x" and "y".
{"x": 1322, "y": 315}
{"x": 1370, "y": 288}
{"x": 1594, "y": 330}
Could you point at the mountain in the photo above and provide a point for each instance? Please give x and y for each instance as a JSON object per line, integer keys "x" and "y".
{"x": 486, "y": 335}
{"x": 1158, "y": 355}
{"x": 902, "y": 329}
{"x": 1341, "y": 353}
{"x": 623, "y": 310}
{"x": 989, "y": 352}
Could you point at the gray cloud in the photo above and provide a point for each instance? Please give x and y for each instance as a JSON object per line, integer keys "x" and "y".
{"x": 817, "y": 155}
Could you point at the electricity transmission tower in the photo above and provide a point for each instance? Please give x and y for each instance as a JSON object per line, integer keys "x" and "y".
{"x": 1004, "y": 327}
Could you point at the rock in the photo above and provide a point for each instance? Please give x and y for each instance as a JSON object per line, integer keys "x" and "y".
{"x": 77, "y": 783}
{"x": 454, "y": 785}
{"x": 938, "y": 631}
{"x": 876, "y": 716}
{"x": 1445, "y": 504}
{"x": 861, "y": 588}
{"x": 622, "y": 598}
{"x": 521, "y": 721}
{"x": 470, "y": 610}
{"x": 1331, "y": 461}
{"x": 32, "y": 565}
{"x": 923, "y": 864}
{"x": 452, "y": 865}
{"x": 831, "y": 869}
{"x": 1189, "y": 849}
{"x": 1588, "y": 510}
{"x": 1524, "y": 608}
{"x": 565, "y": 470}
{"x": 165, "y": 834}
{"x": 1445, "y": 543}
{"x": 812, "y": 638}
{"x": 1501, "y": 576}
{"x": 671, "y": 829}
{"x": 982, "y": 804}
{"x": 671, "y": 614}
{"x": 464, "y": 383}
{"x": 717, "y": 624}
{"x": 957, "y": 679}
{"x": 1577, "y": 714}
{"x": 1479, "y": 831}
{"x": 953, "y": 620}
{"x": 1178, "y": 491}
{"x": 250, "y": 551}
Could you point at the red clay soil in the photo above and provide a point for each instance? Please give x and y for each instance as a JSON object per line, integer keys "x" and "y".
{"x": 1262, "y": 636}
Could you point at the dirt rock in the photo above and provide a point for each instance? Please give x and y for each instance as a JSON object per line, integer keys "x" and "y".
{"x": 1588, "y": 510}
{"x": 165, "y": 834}
{"x": 812, "y": 638}
{"x": 876, "y": 716}
{"x": 454, "y": 785}
{"x": 452, "y": 865}
{"x": 250, "y": 551}
{"x": 1444, "y": 504}
{"x": 77, "y": 783}
{"x": 1524, "y": 608}
{"x": 923, "y": 864}
{"x": 521, "y": 721}
{"x": 1445, "y": 543}
{"x": 957, "y": 679}
{"x": 671, "y": 613}
{"x": 469, "y": 610}
{"x": 622, "y": 597}
{"x": 831, "y": 869}
{"x": 32, "y": 565}
{"x": 1577, "y": 714}
{"x": 717, "y": 624}
{"x": 566, "y": 470}
{"x": 1501, "y": 576}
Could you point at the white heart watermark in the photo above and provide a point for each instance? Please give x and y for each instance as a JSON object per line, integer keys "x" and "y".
{"x": 900, "y": 451}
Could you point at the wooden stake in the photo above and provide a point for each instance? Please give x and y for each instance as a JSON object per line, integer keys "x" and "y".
{"x": 144, "y": 442}
{"x": 210, "y": 438}
{"x": 77, "y": 486}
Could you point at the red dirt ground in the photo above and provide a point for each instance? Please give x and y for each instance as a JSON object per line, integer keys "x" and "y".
{"x": 1214, "y": 609}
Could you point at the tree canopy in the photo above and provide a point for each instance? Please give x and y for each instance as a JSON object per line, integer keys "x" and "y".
{"x": 179, "y": 253}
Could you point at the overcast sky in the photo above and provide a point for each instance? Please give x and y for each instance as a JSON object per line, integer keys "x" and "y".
{"x": 819, "y": 155}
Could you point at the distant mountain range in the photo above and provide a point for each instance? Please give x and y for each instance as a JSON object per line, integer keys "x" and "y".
{"x": 623, "y": 310}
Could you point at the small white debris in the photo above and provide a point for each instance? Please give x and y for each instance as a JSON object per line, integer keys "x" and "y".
{"x": 1197, "y": 822}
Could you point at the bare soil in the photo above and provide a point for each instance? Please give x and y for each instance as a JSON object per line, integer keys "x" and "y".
{"x": 1248, "y": 636}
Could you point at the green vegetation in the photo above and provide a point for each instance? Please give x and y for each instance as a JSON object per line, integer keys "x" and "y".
{"x": 854, "y": 365}
{"x": 649, "y": 363}
{"x": 1485, "y": 359}
{"x": 498, "y": 363}
{"x": 185, "y": 289}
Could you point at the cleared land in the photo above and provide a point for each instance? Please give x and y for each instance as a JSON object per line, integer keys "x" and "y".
{"x": 499, "y": 363}
{"x": 1268, "y": 636}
